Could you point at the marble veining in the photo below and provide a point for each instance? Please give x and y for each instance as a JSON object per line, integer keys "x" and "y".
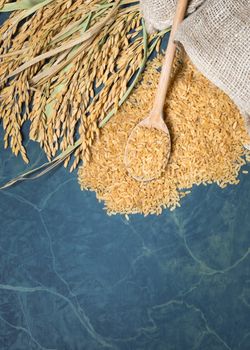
{"x": 72, "y": 277}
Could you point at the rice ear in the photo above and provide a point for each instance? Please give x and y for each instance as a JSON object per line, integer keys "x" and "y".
{"x": 90, "y": 33}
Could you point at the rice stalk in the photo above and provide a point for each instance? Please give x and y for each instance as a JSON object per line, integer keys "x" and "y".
{"x": 72, "y": 81}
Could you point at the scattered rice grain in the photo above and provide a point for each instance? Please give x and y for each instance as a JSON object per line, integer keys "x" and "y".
{"x": 205, "y": 146}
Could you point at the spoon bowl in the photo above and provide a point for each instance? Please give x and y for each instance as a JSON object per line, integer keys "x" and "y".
{"x": 150, "y": 122}
{"x": 156, "y": 122}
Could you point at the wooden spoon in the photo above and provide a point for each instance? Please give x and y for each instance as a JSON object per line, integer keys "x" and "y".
{"x": 156, "y": 118}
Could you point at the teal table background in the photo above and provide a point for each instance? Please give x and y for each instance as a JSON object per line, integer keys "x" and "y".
{"x": 73, "y": 278}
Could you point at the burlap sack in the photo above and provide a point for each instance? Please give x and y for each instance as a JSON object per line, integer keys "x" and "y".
{"x": 217, "y": 39}
{"x": 158, "y": 14}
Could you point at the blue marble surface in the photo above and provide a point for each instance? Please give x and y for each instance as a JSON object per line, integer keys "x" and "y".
{"x": 73, "y": 278}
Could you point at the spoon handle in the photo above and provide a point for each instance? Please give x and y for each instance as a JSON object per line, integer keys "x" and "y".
{"x": 168, "y": 60}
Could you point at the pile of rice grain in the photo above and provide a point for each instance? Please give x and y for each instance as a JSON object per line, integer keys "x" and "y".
{"x": 146, "y": 153}
{"x": 207, "y": 135}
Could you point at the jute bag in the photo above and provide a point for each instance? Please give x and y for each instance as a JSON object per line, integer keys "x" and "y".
{"x": 158, "y": 14}
{"x": 216, "y": 37}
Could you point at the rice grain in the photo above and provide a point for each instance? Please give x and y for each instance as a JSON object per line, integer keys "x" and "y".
{"x": 207, "y": 147}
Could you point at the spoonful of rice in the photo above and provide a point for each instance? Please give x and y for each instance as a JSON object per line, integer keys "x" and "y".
{"x": 148, "y": 147}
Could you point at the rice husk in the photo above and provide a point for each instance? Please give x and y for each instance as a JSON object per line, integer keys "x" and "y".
{"x": 207, "y": 135}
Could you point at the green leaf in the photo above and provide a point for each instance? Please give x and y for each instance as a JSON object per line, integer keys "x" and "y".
{"x": 23, "y": 5}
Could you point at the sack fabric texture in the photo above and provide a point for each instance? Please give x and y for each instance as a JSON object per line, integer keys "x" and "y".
{"x": 158, "y": 14}
{"x": 216, "y": 37}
